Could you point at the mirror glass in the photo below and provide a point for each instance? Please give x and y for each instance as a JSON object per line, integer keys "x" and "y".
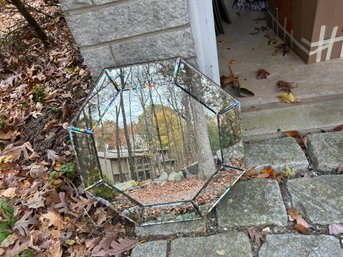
{"x": 159, "y": 141}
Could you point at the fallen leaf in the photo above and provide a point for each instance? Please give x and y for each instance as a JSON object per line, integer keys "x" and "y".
{"x": 23, "y": 223}
{"x": 52, "y": 156}
{"x": 9, "y": 135}
{"x": 232, "y": 61}
{"x": 272, "y": 41}
{"x": 249, "y": 174}
{"x": 295, "y": 215}
{"x": 301, "y": 229}
{"x": 288, "y": 172}
{"x": 287, "y": 98}
{"x": 256, "y": 235}
{"x": 269, "y": 171}
{"x": 70, "y": 242}
{"x": 17, "y": 151}
{"x": 338, "y": 128}
{"x": 285, "y": 86}
{"x": 298, "y": 137}
{"x": 37, "y": 201}
{"x": 9, "y": 192}
{"x": 263, "y": 175}
{"x": 101, "y": 216}
{"x": 62, "y": 207}
{"x": 52, "y": 123}
{"x": 37, "y": 171}
{"x": 231, "y": 80}
{"x": 220, "y": 252}
{"x": 262, "y": 74}
{"x": 335, "y": 229}
{"x": 56, "y": 250}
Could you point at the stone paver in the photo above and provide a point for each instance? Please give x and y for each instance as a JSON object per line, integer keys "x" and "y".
{"x": 151, "y": 249}
{"x": 171, "y": 228}
{"x": 326, "y": 150}
{"x": 252, "y": 203}
{"x": 277, "y": 153}
{"x": 320, "y": 199}
{"x": 290, "y": 245}
{"x": 235, "y": 244}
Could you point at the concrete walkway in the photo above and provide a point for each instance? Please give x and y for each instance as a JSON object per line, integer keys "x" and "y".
{"x": 315, "y": 190}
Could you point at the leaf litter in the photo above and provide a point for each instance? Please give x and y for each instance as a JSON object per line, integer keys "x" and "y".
{"x": 40, "y": 91}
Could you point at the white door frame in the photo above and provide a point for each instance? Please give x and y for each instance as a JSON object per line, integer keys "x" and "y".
{"x": 202, "y": 25}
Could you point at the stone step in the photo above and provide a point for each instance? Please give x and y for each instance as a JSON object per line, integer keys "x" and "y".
{"x": 310, "y": 115}
{"x": 320, "y": 199}
{"x": 252, "y": 203}
{"x": 276, "y": 153}
{"x": 288, "y": 245}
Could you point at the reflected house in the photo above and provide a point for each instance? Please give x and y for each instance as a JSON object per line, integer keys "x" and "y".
{"x": 144, "y": 168}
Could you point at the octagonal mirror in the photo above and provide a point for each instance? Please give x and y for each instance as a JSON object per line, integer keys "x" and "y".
{"x": 158, "y": 141}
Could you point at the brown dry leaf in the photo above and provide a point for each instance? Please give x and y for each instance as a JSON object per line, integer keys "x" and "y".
{"x": 52, "y": 123}
{"x": 256, "y": 235}
{"x": 263, "y": 175}
{"x": 9, "y": 192}
{"x": 249, "y": 174}
{"x": 293, "y": 133}
{"x": 18, "y": 151}
{"x": 285, "y": 86}
{"x": 52, "y": 156}
{"x": 288, "y": 98}
{"x": 22, "y": 225}
{"x": 298, "y": 137}
{"x": 295, "y": 215}
{"x": 269, "y": 171}
{"x": 101, "y": 216}
{"x": 262, "y": 74}
{"x": 338, "y": 128}
{"x": 56, "y": 250}
{"x": 301, "y": 229}
{"x": 37, "y": 201}
{"x": 230, "y": 80}
{"x": 37, "y": 171}
{"x": 9, "y": 135}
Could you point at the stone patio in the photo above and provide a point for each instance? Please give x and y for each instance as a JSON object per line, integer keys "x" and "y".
{"x": 262, "y": 204}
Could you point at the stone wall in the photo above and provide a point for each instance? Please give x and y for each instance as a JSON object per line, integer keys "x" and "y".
{"x": 120, "y": 32}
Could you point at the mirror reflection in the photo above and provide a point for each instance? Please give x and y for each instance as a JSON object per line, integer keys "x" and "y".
{"x": 160, "y": 134}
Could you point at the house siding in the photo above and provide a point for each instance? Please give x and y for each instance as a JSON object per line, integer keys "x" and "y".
{"x": 114, "y": 33}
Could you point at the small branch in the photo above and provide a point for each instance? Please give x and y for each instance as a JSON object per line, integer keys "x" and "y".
{"x": 32, "y": 22}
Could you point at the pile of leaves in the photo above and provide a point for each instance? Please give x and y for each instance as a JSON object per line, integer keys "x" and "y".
{"x": 43, "y": 208}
